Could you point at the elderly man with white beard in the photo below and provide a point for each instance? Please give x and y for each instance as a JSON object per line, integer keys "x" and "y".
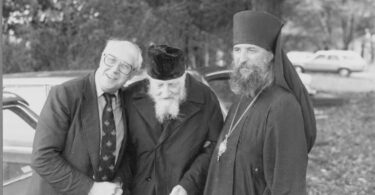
{"x": 269, "y": 130}
{"x": 173, "y": 122}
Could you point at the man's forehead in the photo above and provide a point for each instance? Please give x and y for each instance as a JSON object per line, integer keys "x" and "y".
{"x": 247, "y": 45}
{"x": 121, "y": 49}
{"x": 171, "y": 81}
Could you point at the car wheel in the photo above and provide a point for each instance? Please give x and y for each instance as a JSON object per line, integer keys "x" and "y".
{"x": 299, "y": 69}
{"x": 344, "y": 72}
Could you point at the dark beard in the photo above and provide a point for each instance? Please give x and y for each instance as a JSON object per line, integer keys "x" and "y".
{"x": 249, "y": 85}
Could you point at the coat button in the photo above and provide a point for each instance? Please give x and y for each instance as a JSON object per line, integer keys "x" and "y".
{"x": 148, "y": 179}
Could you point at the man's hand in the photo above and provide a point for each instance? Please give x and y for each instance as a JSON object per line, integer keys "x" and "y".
{"x": 105, "y": 188}
{"x": 178, "y": 190}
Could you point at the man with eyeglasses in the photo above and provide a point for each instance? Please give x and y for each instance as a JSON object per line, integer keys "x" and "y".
{"x": 81, "y": 133}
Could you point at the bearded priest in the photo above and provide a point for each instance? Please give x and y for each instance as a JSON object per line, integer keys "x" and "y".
{"x": 271, "y": 128}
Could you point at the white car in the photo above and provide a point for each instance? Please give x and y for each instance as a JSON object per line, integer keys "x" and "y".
{"x": 19, "y": 123}
{"x": 299, "y": 57}
{"x": 339, "y": 61}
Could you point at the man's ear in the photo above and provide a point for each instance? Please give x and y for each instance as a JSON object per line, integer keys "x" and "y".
{"x": 269, "y": 57}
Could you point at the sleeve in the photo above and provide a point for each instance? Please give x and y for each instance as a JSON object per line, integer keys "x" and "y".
{"x": 194, "y": 178}
{"x": 284, "y": 150}
{"x": 124, "y": 174}
{"x": 49, "y": 142}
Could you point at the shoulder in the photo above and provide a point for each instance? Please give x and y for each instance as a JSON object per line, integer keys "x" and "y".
{"x": 138, "y": 86}
{"x": 281, "y": 99}
{"x": 136, "y": 89}
{"x": 279, "y": 103}
{"x": 72, "y": 88}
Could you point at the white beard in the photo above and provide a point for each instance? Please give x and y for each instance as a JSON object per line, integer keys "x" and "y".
{"x": 167, "y": 109}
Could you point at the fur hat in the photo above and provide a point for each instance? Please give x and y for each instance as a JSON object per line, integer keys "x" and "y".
{"x": 165, "y": 62}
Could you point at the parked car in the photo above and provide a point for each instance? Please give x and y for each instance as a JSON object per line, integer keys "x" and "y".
{"x": 299, "y": 57}
{"x": 339, "y": 61}
{"x": 19, "y": 123}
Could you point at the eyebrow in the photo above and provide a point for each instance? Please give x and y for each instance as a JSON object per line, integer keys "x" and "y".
{"x": 119, "y": 59}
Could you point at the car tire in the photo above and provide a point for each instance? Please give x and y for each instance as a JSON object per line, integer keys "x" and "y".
{"x": 344, "y": 72}
{"x": 299, "y": 69}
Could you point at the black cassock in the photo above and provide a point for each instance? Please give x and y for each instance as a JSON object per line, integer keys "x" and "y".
{"x": 266, "y": 153}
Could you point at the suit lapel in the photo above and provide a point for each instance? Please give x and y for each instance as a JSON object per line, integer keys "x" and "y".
{"x": 145, "y": 107}
{"x": 90, "y": 120}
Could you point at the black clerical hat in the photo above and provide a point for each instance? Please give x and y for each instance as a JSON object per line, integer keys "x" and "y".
{"x": 256, "y": 27}
{"x": 165, "y": 62}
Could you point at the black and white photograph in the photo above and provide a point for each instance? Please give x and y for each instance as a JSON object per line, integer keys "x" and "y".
{"x": 188, "y": 97}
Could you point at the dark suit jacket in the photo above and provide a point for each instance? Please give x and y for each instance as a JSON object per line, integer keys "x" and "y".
{"x": 67, "y": 140}
{"x": 176, "y": 153}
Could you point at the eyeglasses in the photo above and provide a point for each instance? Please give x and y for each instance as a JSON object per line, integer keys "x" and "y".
{"x": 111, "y": 61}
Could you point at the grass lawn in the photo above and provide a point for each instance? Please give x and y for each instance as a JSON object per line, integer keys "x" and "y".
{"x": 343, "y": 158}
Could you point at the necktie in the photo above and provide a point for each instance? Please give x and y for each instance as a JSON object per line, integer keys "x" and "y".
{"x": 108, "y": 142}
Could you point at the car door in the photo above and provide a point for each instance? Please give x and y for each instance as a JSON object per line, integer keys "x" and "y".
{"x": 19, "y": 124}
{"x": 334, "y": 63}
{"x": 317, "y": 63}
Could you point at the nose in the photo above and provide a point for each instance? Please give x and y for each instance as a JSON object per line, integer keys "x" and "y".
{"x": 116, "y": 68}
{"x": 165, "y": 92}
{"x": 242, "y": 57}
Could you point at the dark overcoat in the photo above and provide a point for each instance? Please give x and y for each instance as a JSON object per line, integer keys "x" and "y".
{"x": 67, "y": 140}
{"x": 267, "y": 153}
{"x": 177, "y": 152}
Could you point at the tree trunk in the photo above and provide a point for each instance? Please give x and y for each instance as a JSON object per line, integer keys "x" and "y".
{"x": 347, "y": 25}
{"x": 325, "y": 21}
{"x": 372, "y": 48}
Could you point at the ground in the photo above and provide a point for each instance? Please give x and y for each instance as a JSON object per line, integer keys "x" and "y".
{"x": 342, "y": 160}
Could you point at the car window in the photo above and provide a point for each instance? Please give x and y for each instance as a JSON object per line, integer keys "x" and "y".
{"x": 17, "y": 142}
{"x": 320, "y": 57}
{"x": 350, "y": 57}
{"x": 331, "y": 57}
{"x": 16, "y": 132}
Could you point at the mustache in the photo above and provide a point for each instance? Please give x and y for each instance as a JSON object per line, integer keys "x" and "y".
{"x": 254, "y": 78}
